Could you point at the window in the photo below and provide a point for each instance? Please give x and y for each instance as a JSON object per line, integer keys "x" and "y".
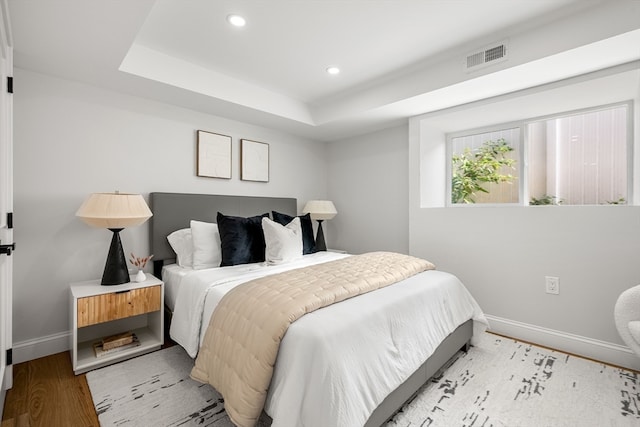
{"x": 485, "y": 167}
{"x": 578, "y": 158}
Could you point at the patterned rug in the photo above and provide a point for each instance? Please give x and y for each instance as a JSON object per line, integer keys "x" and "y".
{"x": 502, "y": 382}
{"x": 499, "y": 382}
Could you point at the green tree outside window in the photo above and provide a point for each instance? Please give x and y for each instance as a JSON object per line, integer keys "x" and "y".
{"x": 474, "y": 169}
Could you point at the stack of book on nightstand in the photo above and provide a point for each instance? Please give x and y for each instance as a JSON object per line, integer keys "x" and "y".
{"x": 116, "y": 343}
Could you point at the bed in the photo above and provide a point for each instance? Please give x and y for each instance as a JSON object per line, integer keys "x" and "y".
{"x": 309, "y": 353}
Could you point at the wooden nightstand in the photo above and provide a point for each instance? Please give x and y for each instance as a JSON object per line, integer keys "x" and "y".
{"x": 99, "y": 311}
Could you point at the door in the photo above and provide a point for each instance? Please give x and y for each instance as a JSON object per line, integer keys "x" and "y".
{"x": 6, "y": 203}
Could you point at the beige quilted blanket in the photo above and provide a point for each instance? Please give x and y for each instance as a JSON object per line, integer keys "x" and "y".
{"x": 241, "y": 343}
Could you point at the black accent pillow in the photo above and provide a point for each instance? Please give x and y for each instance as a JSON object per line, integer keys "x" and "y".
{"x": 242, "y": 239}
{"x": 308, "y": 241}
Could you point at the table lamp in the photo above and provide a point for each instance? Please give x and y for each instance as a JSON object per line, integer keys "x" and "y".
{"x": 320, "y": 210}
{"x": 114, "y": 211}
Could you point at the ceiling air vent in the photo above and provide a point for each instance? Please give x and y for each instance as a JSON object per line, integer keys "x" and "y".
{"x": 486, "y": 56}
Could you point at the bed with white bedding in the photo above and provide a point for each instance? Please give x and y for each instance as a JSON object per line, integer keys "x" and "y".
{"x": 349, "y": 364}
{"x": 172, "y": 275}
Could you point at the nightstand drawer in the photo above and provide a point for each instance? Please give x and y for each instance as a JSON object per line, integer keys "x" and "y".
{"x": 118, "y": 305}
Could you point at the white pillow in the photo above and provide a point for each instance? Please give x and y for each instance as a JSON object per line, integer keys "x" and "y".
{"x": 182, "y": 245}
{"x": 283, "y": 243}
{"x": 207, "y": 252}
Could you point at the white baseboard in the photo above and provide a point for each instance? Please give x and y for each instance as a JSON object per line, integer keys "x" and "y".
{"x": 607, "y": 352}
{"x": 40, "y": 347}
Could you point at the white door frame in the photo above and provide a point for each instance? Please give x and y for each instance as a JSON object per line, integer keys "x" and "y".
{"x": 6, "y": 200}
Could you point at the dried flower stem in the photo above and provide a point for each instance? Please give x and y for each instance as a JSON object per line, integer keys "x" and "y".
{"x": 139, "y": 262}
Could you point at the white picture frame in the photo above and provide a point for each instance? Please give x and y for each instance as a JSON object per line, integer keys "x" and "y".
{"x": 214, "y": 155}
{"x": 254, "y": 161}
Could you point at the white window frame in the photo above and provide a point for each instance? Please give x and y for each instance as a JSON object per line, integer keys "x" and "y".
{"x": 523, "y": 145}
{"x": 475, "y": 131}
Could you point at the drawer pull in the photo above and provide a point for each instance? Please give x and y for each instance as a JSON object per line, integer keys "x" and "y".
{"x": 123, "y": 292}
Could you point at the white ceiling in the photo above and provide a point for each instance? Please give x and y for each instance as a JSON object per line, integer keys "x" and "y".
{"x": 272, "y": 71}
{"x": 287, "y": 46}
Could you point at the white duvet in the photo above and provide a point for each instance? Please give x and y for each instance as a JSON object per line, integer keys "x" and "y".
{"x": 336, "y": 365}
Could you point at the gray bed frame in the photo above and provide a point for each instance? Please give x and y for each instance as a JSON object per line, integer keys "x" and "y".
{"x": 173, "y": 211}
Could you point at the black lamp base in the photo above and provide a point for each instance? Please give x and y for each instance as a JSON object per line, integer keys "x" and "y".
{"x": 320, "y": 244}
{"x": 115, "y": 270}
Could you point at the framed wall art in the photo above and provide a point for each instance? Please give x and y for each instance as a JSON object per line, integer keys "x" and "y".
{"x": 254, "y": 162}
{"x": 214, "y": 155}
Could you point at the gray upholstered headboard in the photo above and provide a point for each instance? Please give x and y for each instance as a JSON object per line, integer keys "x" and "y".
{"x": 173, "y": 211}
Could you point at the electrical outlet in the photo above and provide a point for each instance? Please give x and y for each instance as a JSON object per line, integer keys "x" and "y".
{"x": 552, "y": 285}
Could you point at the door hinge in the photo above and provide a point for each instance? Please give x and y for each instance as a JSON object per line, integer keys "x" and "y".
{"x": 9, "y": 356}
{"x": 10, "y": 84}
{"x": 7, "y": 249}
{"x": 9, "y": 219}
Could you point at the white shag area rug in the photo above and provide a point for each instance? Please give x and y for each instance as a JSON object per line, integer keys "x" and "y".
{"x": 499, "y": 382}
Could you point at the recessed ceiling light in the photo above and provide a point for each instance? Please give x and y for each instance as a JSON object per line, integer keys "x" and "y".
{"x": 236, "y": 20}
{"x": 333, "y": 70}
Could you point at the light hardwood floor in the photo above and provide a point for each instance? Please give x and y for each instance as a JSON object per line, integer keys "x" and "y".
{"x": 46, "y": 393}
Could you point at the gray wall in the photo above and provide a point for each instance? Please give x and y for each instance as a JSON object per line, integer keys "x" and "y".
{"x": 368, "y": 182}
{"x": 503, "y": 254}
{"x": 72, "y": 140}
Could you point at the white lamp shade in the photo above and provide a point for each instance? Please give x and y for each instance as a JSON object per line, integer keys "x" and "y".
{"x": 114, "y": 210}
{"x": 320, "y": 209}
